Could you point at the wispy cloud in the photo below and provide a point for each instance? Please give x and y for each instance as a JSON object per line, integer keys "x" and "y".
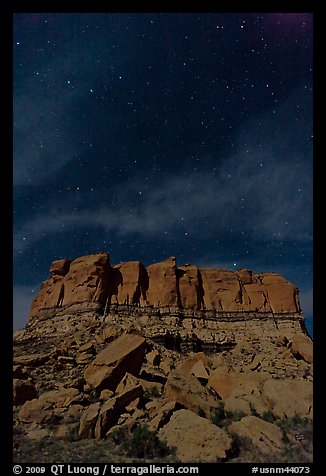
{"x": 22, "y": 299}
{"x": 262, "y": 190}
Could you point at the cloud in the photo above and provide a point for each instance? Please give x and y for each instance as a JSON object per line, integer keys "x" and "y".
{"x": 197, "y": 203}
{"x": 22, "y": 299}
{"x": 263, "y": 190}
{"x": 306, "y": 301}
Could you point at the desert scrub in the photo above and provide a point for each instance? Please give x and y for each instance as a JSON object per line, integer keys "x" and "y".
{"x": 224, "y": 419}
{"x": 152, "y": 392}
{"x": 142, "y": 443}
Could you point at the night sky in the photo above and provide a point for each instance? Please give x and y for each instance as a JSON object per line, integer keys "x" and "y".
{"x": 148, "y": 135}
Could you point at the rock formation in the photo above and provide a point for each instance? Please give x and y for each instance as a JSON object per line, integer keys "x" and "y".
{"x": 90, "y": 282}
{"x": 204, "y": 359}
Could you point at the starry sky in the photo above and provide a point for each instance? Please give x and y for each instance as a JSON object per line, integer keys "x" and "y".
{"x": 147, "y": 135}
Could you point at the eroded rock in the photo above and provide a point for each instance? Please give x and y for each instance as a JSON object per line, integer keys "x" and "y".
{"x": 183, "y": 432}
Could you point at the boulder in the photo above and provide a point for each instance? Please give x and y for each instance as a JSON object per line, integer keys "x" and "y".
{"x": 302, "y": 347}
{"x": 196, "y": 364}
{"x": 106, "y": 394}
{"x": 161, "y": 415}
{"x": 19, "y": 372}
{"x": 265, "y": 436}
{"x": 88, "y": 421}
{"x": 162, "y": 287}
{"x": 129, "y": 283}
{"x": 183, "y": 432}
{"x": 111, "y": 410}
{"x": 31, "y": 360}
{"x": 153, "y": 358}
{"x": 38, "y": 434}
{"x": 235, "y": 405}
{"x": 61, "y": 398}
{"x": 36, "y": 410}
{"x": 23, "y": 390}
{"x": 287, "y": 398}
{"x": 88, "y": 348}
{"x": 188, "y": 391}
{"x": 227, "y": 383}
{"x": 125, "y": 354}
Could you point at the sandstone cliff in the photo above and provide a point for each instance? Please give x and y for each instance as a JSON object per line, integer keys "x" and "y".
{"x": 90, "y": 282}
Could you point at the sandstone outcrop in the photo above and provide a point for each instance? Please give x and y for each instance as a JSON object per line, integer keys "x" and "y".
{"x": 190, "y": 287}
{"x": 129, "y": 283}
{"x": 91, "y": 283}
{"x": 81, "y": 282}
{"x": 162, "y": 277}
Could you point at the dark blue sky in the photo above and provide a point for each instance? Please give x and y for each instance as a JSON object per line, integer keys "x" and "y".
{"x": 148, "y": 135}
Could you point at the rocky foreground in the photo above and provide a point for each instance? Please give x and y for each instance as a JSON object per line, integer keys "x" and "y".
{"x": 172, "y": 367}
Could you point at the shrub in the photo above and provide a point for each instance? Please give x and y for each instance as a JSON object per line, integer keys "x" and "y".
{"x": 152, "y": 392}
{"x": 224, "y": 419}
{"x": 142, "y": 443}
{"x": 268, "y": 416}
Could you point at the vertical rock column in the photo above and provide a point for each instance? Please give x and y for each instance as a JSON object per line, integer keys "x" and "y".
{"x": 52, "y": 290}
{"x": 163, "y": 289}
{"x": 190, "y": 287}
{"x": 129, "y": 283}
{"x": 82, "y": 283}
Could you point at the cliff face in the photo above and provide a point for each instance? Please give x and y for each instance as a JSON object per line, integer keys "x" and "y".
{"x": 91, "y": 283}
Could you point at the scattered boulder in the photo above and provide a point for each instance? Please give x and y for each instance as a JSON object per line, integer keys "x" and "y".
{"x": 227, "y": 383}
{"x": 19, "y": 372}
{"x": 153, "y": 358}
{"x": 23, "y": 390}
{"x": 287, "y": 398}
{"x": 36, "y": 410}
{"x": 38, "y": 434}
{"x": 125, "y": 354}
{"x": 33, "y": 360}
{"x": 265, "y": 436}
{"x": 111, "y": 410}
{"x": 183, "y": 432}
{"x": 161, "y": 415}
{"x": 88, "y": 421}
{"x": 188, "y": 391}
{"x": 88, "y": 348}
{"x": 302, "y": 347}
{"x": 61, "y": 398}
{"x": 195, "y": 364}
{"x": 233, "y": 405}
